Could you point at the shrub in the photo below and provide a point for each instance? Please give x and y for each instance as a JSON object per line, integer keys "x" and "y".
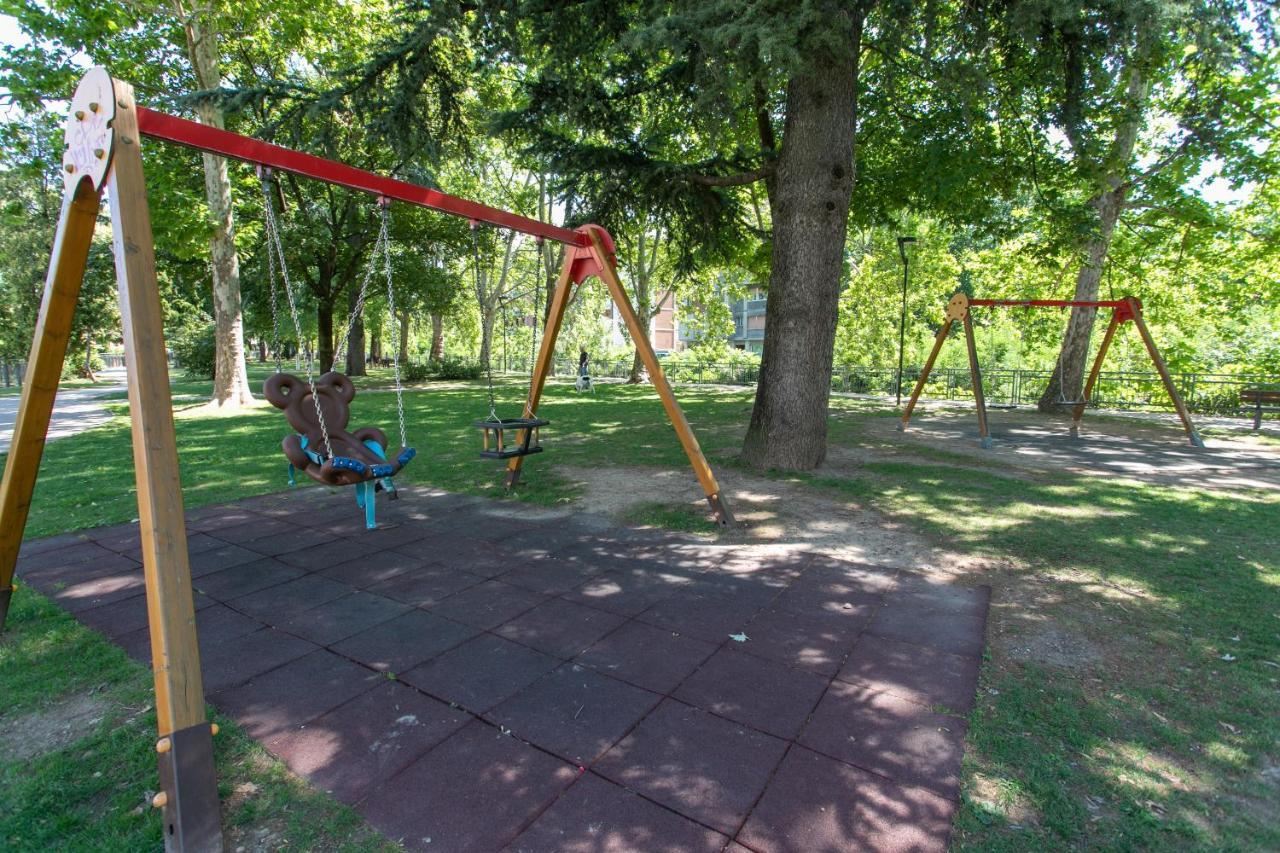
{"x": 194, "y": 349}
{"x": 724, "y": 365}
{"x": 73, "y": 367}
{"x": 415, "y": 371}
{"x": 456, "y": 367}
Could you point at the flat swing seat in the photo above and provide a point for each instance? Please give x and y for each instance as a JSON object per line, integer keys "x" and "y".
{"x": 498, "y": 446}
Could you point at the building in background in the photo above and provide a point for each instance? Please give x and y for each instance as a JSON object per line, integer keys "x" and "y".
{"x": 662, "y": 328}
{"x": 748, "y": 321}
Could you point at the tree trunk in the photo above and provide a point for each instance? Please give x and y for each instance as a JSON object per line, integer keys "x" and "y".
{"x": 1067, "y": 381}
{"x": 262, "y": 350}
{"x": 437, "y": 337}
{"x": 640, "y": 279}
{"x": 810, "y": 209}
{"x": 324, "y": 335}
{"x": 230, "y": 379}
{"x": 87, "y": 371}
{"x": 355, "y": 341}
{"x": 375, "y": 343}
{"x": 404, "y": 336}
{"x": 1066, "y": 385}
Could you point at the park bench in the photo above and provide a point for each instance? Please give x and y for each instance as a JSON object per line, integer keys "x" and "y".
{"x": 1260, "y": 400}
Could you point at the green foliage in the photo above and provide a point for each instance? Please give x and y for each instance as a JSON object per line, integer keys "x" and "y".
{"x": 456, "y": 368}
{"x": 193, "y": 348}
{"x": 718, "y": 363}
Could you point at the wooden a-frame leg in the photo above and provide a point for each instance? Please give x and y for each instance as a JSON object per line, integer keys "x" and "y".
{"x": 938, "y": 340}
{"x": 1163, "y": 370}
{"x": 640, "y": 337}
{"x": 188, "y": 786}
{"x": 542, "y": 367}
{"x": 1078, "y": 413}
{"x": 975, "y": 376}
{"x": 44, "y": 369}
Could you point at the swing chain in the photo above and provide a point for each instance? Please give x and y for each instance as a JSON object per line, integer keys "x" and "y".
{"x": 488, "y": 356}
{"x": 358, "y": 308}
{"x": 272, "y": 279}
{"x": 273, "y": 242}
{"x": 385, "y": 239}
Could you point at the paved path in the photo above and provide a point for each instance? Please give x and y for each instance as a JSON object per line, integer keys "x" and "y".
{"x": 563, "y": 683}
{"x": 76, "y": 409}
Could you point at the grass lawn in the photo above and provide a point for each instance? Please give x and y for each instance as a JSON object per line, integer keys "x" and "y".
{"x": 1129, "y": 698}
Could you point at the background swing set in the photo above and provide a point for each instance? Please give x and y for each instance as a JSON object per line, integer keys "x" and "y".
{"x": 1128, "y": 309}
{"x": 103, "y": 152}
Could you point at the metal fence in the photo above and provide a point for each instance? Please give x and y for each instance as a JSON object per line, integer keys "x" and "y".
{"x": 1205, "y": 393}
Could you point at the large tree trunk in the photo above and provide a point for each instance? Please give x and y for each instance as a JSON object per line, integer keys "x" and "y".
{"x": 375, "y": 343}
{"x": 437, "y": 337}
{"x": 1066, "y": 385}
{"x": 262, "y": 350}
{"x": 230, "y": 380}
{"x": 355, "y": 342}
{"x": 324, "y": 335}
{"x": 810, "y": 206}
{"x": 1067, "y": 381}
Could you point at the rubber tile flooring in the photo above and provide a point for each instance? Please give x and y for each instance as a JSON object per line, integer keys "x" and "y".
{"x": 480, "y": 676}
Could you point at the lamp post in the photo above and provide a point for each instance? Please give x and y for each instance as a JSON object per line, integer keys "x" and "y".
{"x": 902, "y": 316}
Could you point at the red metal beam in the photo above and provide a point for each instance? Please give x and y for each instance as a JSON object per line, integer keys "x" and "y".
{"x": 1050, "y": 303}
{"x": 201, "y": 137}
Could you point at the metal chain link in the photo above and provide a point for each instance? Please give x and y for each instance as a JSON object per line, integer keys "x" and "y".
{"x": 273, "y": 242}
{"x": 488, "y": 356}
{"x": 384, "y": 238}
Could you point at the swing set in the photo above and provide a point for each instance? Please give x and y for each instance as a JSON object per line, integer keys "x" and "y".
{"x": 1128, "y": 309}
{"x": 103, "y": 152}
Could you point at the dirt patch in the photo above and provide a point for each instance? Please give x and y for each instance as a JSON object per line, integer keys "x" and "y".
{"x": 772, "y": 512}
{"x": 1055, "y": 647}
{"x": 1151, "y": 452}
{"x": 1003, "y": 798}
{"x": 51, "y": 728}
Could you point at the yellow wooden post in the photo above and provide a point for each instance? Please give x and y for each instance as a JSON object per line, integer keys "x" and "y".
{"x": 975, "y": 377}
{"x": 542, "y": 367}
{"x": 957, "y": 309}
{"x": 603, "y": 265}
{"x": 1135, "y": 308}
{"x": 1078, "y": 413}
{"x": 44, "y": 368}
{"x": 190, "y": 804}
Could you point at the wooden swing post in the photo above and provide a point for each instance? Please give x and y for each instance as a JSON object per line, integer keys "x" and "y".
{"x": 1122, "y": 310}
{"x": 598, "y": 259}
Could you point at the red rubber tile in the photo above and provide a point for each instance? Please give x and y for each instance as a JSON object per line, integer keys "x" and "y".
{"x": 218, "y": 559}
{"x": 367, "y": 570}
{"x": 919, "y": 673}
{"x": 574, "y": 712}
{"x": 549, "y": 576}
{"x": 243, "y": 579}
{"x": 278, "y": 603}
{"x": 596, "y": 816}
{"x": 343, "y": 617}
{"x": 827, "y": 596}
{"x": 220, "y": 624}
{"x": 71, "y": 554}
{"x": 32, "y": 547}
{"x": 890, "y": 736}
{"x": 648, "y": 657}
{"x": 626, "y": 593}
{"x": 481, "y": 672}
{"x": 812, "y": 640}
{"x": 405, "y": 641}
{"x": 706, "y": 618}
{"x": 487, "y": 605}
{"x": 321, "y": 556}
{"x": 95, "y": 592}
{"x": 816, "y": 803}
{"x": 703, "y": 767}
{"x": 423, "y": 585}
{"x": 238, "y": 660}
{"x": 473, "y": 793}
{"x": 755, "y": 692}
{"x": 293, "y": 539}
{"x": 469, "y": 555}
{"x": 259, "y": 527}
{"x": 560, "y": 627}
{"x": 118, "y": 618}
{"x": 284, "y": 698}
{"x": 950, "y": 598}
{"x": 910, "y": 621}
{"x": 862, "y": 576}
{"x": 360, "y": 744}
{"x": 388, "y": 535}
